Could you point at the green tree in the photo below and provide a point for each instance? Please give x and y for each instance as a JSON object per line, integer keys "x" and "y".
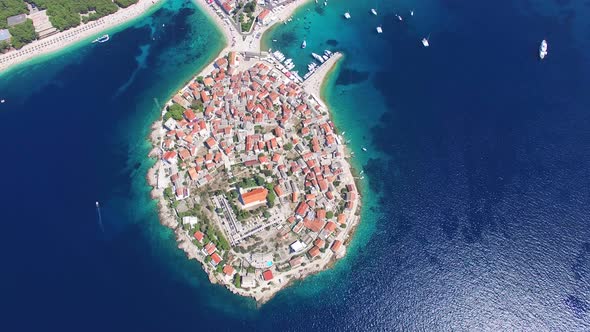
{"x": 125, "y": 3}
{"x": 329, "y": 214}
{"x": 237, "y": 280}
{"x": 66, "y": 14}
{"x": 175, "y": 111}
{"x": 4, "y": 45}
{"x": 219, "y": 267}
{"x": 197, "y": 105}
{"x": 22, "y": 34}
{"x": 250, "y": 7}
{"x": 10, "y": 8}
{"x": 168, "y": 193}
{"x": 288, "y": 146}
{"x": 271, "y": 198}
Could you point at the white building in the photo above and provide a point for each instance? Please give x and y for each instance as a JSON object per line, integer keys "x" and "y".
{"x": 190, "y": 221}
{"x": 297, "y": 246}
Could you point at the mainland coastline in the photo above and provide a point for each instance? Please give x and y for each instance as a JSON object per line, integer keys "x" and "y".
{"x": 243, "y": 271}
{"x": 83, "y": 32}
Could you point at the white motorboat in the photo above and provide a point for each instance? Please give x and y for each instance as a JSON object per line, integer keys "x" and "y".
{"x": 425, "y": 42}
{"x": 102, "y": 39}
{"x": 317, "y": 57}
{"x": 304, "y": 44}
{"x": 373, "y": 11}
{"x": 379, "y": 30}
{"x": 543, "y": 49}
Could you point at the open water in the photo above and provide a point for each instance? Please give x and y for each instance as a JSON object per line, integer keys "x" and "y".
{"x": 476, "y": 188}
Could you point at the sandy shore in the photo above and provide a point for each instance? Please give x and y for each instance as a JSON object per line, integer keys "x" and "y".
{"x": 71, "y": 36}
{"x": 313, "y": 84}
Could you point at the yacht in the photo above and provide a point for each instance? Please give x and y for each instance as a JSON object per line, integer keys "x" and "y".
{"x": 347, "y": 15}
{"x": 425, "y": 42}
{"x": 304, "y": 44}
{"x": 543, "y": 49}
{"x": 101, "y": 39}
{"x": 379, "y": 30}
{"x": 373, "y": 11}
{"x": 279, "y": 56}
{"x": 328, "y": 53}
{"x": 317, "y": 57}
{"x": 325, "y": 57}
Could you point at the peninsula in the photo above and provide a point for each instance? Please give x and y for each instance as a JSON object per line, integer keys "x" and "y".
{"x": 251, "y": 174}
{"x": 47, "y": 33}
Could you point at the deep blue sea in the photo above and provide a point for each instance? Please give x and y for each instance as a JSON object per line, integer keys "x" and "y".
{"x": 477, "y": 176}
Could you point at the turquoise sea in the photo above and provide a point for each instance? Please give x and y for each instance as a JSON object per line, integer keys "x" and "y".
{"x": 475, "y": 197}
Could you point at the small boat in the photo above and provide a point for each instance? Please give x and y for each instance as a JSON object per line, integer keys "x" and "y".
{"x": 347, "y": 15}
{"x": 425, "y": 42}
{"x": 102, "y": 39}
{"x": 399, "y": 18}
{"x": 374, "y": 11}
{"x": 328, "y": 53}
{"x": 379, "y": 30}
{"x": 304, "y": 44}
{"x": 543, "y": 49}
{"x": 411, "y": 13}
{"x": 2, "y": 101}
{"x": 317, "y": 57}
{"x": 274, "y": 40}
{"x": 325, "y": 3}
{"x": 364, "y": 149}
{"x": 97, "y": 205}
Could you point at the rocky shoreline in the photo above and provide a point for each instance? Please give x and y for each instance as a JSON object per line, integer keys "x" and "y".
{"x": 169, "y": 217}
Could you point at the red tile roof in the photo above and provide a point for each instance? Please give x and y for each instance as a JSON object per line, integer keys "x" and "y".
{"x": 199, "y": 236}
{"x": 255, "y": 195}
{"x": 215, "y": 258}
{"x": 336, "y": 245}
{"x": 267, "y": 275}
{"x": 228, "y": 270}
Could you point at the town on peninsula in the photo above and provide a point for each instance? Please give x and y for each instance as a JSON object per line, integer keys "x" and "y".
{"x": 250, "y": 172}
